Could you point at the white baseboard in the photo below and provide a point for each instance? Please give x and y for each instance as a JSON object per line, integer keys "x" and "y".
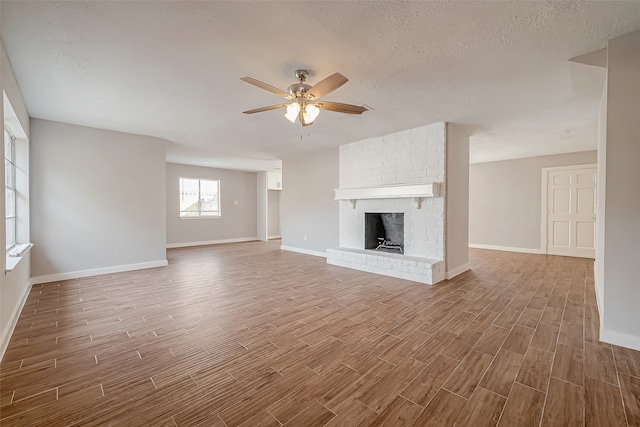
{"x": 506, "y": 248}
{"x": 457, "y": 271}
{"x": 303, "y": 251}
{"x": 97, "y": 271}
{"x": 274, "y": 237}
{"x": 15, "y": 315}
{"x": 599, "y": 301}
{"x": 620, "y": 338}
{"x": 211, "y": 242}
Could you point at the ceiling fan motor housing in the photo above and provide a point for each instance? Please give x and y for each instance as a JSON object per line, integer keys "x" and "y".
{"x": 299, "y": 89}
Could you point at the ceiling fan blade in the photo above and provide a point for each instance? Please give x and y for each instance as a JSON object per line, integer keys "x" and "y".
{"x": 327, "y": 85}
{"x": 259, "y": 110}
{"x": 340, "y": 107}
{"x": 265, "y": 86}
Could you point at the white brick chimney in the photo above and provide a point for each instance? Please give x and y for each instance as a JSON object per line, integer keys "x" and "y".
{"x": 403, "y": 173}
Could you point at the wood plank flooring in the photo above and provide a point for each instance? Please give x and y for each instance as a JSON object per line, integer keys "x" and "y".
{"x": 248, "y": 335}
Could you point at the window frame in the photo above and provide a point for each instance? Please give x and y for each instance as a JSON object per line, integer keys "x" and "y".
{"x": 10, "y": 162}
{"x": 201, "y": 214}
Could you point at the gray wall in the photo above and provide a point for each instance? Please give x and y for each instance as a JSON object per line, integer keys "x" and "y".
{"x": 620, "y": 320}
{"x": 238, "y": 221}
{"x": 10, "y": 87}
{"x": 97, "y": 199}
{"x": 261, "y": 206}
{"x": 598, "y": 266}
{"x": 306, "y": 203}
{"x": 273, "y": 213}
{"x": 505, "y": 199}
{"x": 14, "y": 285}
{"x": 457, "y": 207}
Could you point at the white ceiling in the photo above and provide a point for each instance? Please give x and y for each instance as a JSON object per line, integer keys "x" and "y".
{"x": 172, "y": 70}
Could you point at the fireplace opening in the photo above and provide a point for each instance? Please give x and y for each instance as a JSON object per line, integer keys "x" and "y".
{"x": 384, "y": 232}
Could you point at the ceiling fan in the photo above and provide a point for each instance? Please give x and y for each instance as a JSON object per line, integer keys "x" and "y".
{"x": 305, "y": 104}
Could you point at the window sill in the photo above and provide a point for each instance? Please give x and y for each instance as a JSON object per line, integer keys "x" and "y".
{"x": 15, "y": 255}
{"x": 201, "y": 217}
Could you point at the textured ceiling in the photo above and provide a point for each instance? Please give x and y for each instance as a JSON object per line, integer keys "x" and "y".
{"x": 172, "y": 70}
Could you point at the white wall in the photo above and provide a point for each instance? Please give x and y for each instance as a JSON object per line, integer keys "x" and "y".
{"x": 307, "y": 207}
{"x": 505, "y": 200}
{"x": 97, "y": 201}
{"x": 620, "y": 316}
{"x": 238, "y": 221}
{"x": 457, "y": 201}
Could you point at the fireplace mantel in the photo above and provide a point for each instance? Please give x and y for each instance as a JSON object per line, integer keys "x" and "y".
{"x": 396, "y": 191}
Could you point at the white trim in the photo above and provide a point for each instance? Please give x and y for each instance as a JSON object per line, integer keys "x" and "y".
{"x": 457, "y": 271}
{"x": 570, "y": 254}
{"x": 201, "y": 217}
{"x": 545, "y": 187}
{"x": 211, "y": 242}
{"x": 599, "y": 298}
{"x": 303, "y": 251}
{"x": 274, "y": 237}
{"x": 97, "y": 271}
{"x": 388, "y": 191}
{"x": 15, "y": 315}
{"x": 619, "y": 338}
{"x": 13, "y": 261}
{"x": 506, "y": 248}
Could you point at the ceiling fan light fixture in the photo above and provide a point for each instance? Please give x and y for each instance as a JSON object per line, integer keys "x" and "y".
{"x": 310, "y": 113}
{"x": 292, "y": 112}
{"x": 303, "y": 100}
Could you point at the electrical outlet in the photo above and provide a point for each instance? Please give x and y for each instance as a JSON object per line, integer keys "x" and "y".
{"x": 235, "y": 202}
{"x": 305, "y": 237}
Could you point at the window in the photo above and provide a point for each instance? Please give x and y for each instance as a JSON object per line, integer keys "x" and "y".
{"x": 199, "y": 198}
{"x": 10, "y": 186}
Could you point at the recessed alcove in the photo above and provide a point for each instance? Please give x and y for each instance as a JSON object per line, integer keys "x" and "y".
{"x": 384, "y": 231}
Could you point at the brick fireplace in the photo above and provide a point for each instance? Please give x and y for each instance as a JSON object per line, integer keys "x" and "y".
{"x": 401, "y": 173}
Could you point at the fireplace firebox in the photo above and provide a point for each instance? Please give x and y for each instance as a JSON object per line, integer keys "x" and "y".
{"x": 384, "y": 232}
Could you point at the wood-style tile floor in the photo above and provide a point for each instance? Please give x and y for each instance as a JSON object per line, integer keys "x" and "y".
{"x": 248, "y": 335}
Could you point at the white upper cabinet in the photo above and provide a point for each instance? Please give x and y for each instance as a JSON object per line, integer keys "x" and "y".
{"x": 274, "y": 180}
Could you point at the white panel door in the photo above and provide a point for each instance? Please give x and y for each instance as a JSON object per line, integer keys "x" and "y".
{"x": 571, "y": 211}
